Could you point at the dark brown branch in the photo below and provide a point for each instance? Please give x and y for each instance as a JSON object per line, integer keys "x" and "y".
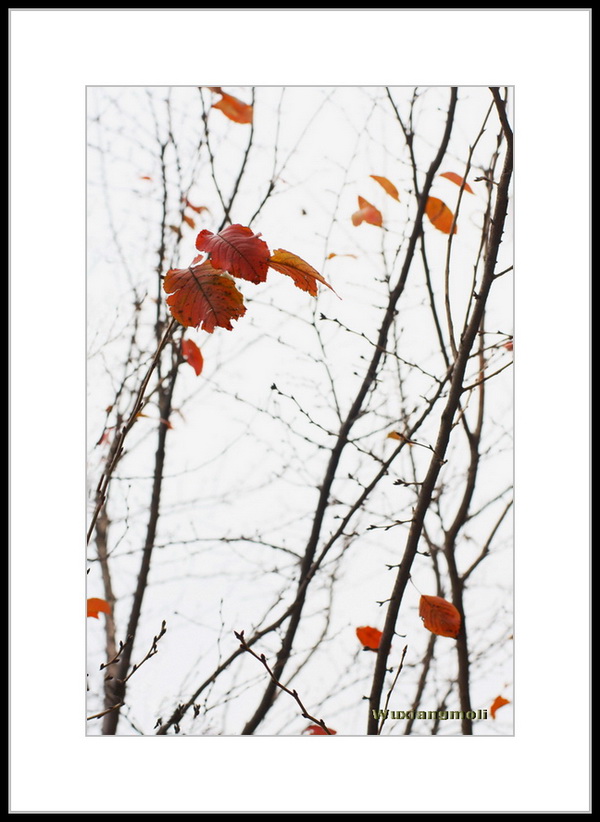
{"x": 293, "y": 693}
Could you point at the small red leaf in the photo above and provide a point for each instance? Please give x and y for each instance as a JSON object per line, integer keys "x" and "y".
{"x": 498, "y": 703}
{"x": 95, "y": 605}
{"x": 456, "y": 178}
{"x": 508, "y": 345}
{"x": 303, "y": 274}
{"x": 369, "y": 637}
{"x": 439, "y": 616}
{"x": 192, "y": 355}
{"x": 440, "y": 215}
{"x": 317, "y": 730}
{"x": 390, "y": 188}
{"x": 203, "y": 295}
{"x": 233, "y": 108}
{"x": 366, "y": 213}
{"x": 238, "y": 250}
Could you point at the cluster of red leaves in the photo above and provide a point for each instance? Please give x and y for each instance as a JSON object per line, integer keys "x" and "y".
{"x": 205, "y": 294}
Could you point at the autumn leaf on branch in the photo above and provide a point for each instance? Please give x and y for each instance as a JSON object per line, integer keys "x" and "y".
{"x": 387, "y": 186}
{"x": 192, "y": 355}
{"x": 304, "y": 275}
{"x": 369, "y": 637}
{"x": 95, "y": 605}
{"x": 440, "y": 215}
{"x": 202, "y": 295}
{"x": 232, "y": 108}
{"x": 498, "y": 703}
{"x": 238, "y": 250}
{"x": 317, "y": 730}
{"x": 439, "y": 616}
{"x": 367, "y": 213}
{"x": 456, "y": 178}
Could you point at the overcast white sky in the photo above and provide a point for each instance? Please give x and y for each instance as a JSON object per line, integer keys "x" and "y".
{"x": 551, "y": 166}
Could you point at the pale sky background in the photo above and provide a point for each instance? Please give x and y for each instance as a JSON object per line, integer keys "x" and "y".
{"x": 75, "y": 49}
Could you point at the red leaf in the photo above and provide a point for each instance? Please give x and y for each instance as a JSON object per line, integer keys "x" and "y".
{"x": 498, "y": 703}
{"x": 369, "y": 637}
{"x": 203, "y": 295}
{"x": 440, "y": 215}
{"x": 366, "y": 213}
{"x": 237, "y": 250}
{"x": 95, "y": 605}
{"x": 508, "y": 345}
{"x": 390, "y": 188}
{"x": 439, "y": 616}
{"x": 192, "y": 354}
{"x": 303, "y": 274}
{"x": 233, "y": 108}
{"x": 317, "y": 730}
{"x": 456, "y": 178}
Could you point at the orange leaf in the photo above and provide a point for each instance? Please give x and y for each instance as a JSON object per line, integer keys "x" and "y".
{"x": 192, "y": 354}
{"x": 456, "y": 178}
{"x": 197, "y": 209}
{"x": 439, "y": 616}
{"x": 317, "y": 730}
{"x": 440, "y": 215}
{"x": 189, "y": 221}
{"x": 508, "y": 345}
{"x": 332, "y": 255}
{"x": 369, "y": 637}
{"x": 234, "y": 109}
{"x": 498, "y": 703}
{"x": 396, "y": 435}
{"x": 303, "y": 274}
{"x": 145, "y": 178}
{"x": 237, "y": 250}
{"x": 390, "y": 188}
{"x": 366, "y": 213}
{"x": 203, "y": 295}
{"x": 95, "y": 605}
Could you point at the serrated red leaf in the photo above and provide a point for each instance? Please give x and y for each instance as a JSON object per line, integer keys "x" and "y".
{"x": 317, "y": 730}
{"x": 439, "y": 616}
{"x": 367, "y": 213}
{"x": 95, "y": 605}
{"x": 387, "y": 186}
{"x": 233, "y": 108}
{"x": 238, "y": 250}
{"x": 369, "y": 637}
{"x": 440, "y": 215}
{"x": 456, "y": 178}
{"x": 203, "y": 296}
{"x": 192, "y": 355}
{"x": 304, "y": 275}
{"x": 498, "y": 703}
